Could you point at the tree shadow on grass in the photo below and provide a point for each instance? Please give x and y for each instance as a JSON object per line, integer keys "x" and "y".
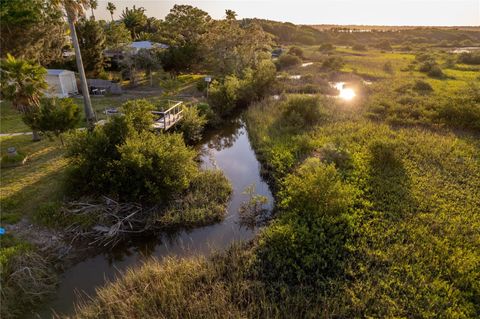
{"x": 28, "y": 187}
{"x": 389, "y": 183}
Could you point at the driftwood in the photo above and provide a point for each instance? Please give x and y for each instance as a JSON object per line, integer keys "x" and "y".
{"x": 113, "y": 221}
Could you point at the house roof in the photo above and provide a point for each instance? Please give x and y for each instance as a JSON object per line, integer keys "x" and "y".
{"x": 57, "y": 71}
{"x": 147, "y": 45}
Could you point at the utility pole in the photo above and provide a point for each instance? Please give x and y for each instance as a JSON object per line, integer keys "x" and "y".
{"x": 87, "y": 104}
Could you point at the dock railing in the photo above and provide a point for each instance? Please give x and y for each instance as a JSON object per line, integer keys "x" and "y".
{"x": 171, "y": 115}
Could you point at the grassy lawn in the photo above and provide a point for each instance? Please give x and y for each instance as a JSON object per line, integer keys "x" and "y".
{"x": 11, "y": 120}
{"x": 24, "y": 189}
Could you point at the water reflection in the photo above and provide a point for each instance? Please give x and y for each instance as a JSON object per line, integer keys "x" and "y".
{"x": 227, "y": 149}
{"x": 224, "y": 137}
{"x": 306, "y": 64}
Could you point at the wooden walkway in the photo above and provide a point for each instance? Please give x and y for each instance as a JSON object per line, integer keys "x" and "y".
{"x": 168, "y": 118}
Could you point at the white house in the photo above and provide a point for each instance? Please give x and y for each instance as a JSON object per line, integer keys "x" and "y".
{"x": 61, "y": 83}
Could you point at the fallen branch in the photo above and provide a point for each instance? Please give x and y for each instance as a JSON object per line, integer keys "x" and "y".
{"x": 111, "y": 221}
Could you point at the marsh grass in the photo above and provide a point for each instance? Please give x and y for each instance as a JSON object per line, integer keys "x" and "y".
{"x": 415, "y": 189}
{"x": 220, "y": 287}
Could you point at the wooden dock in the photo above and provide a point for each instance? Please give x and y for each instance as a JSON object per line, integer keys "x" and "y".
{"x": 168, "y": 118}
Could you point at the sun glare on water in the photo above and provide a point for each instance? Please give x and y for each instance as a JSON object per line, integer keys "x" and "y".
{"x": 344, "y": 93}
{"x": 347, "y": 94}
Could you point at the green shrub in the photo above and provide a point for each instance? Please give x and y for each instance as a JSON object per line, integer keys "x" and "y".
{"x": 138, "y": 114}
{"x": 460, "y": 113}
{"x": 307, "y": 242}
{"x": 384, "y": 45}
{"x": 192, "y": 124}
{"x": 359, "y": 47}
{"x": 429, "y": 65}
{"x": 257, "y": 82}
{"x": 388, "y": 68}
{"x": 201, "y": 85}
{"x": 223, "y": 96}
{"x": 469, "y": 58}
{"x": 422, "y": 86}
{"x": 302, "y": 111}
{"x": 436, "y": 72}
{"x": 152, "y": 167}
{"x": 326, "y": 47}
{"x": 54, "y": 116}
{"x": 10, "y": 161}
{"x": 333, "y": 63}
{"x": 296, "y": 51}
{"x": 332, "y": 154}
{"x": 234, "y": 92}
{"x": 124, "y": 160}
{"x": 288, "y": 60}
{"x": 202, "y": 203}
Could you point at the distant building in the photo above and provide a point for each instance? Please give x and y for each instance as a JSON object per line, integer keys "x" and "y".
{"x": 61, "y": 83}
{"x": 117, "y": 54}
{"x": 138, "y": 45}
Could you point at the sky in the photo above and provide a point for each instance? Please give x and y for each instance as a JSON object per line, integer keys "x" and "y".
{"x": 366, "y": 12}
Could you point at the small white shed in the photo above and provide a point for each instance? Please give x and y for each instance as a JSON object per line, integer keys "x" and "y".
{"x": 61, "y": 83}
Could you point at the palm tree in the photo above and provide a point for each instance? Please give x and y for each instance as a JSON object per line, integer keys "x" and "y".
{"x": 93, "y": 6}
{"x": 74, "y": 9}
{"x": 111, "y": 8}
{"x": 22, "y": 83}
{"x": 134, "y": 19}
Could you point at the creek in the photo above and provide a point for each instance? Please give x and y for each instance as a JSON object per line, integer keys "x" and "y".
{"x": 227, "y": 149}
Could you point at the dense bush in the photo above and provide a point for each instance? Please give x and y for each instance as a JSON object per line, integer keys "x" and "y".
{"x": 326, "y": 47}
{"x": 192, "y": 124}
{"x": 288, "y": 60}
{"x": 223, "y": 96}
{"x": 462, "y": 112}
{"x": 388, "y": 68}
{"x": 333, "y": 63}
{"x": 257, "y": 82}
{"x": 427, "y": 65}
{"x": 384, "y": 45}
{"x": 302, "y": 111}
{"x": 333, "y": 154}
{"x": 124, "y": 160}
{"x": 138, "y": 114}
{"x": 436, "y": 72}
{"x": 307, "y": 242}
{"x": 152, "y": 167}
{"x": 422, "y": 86}
{"x": 296, "y": 51}
{"x": 469, "y": 58}
{"x": 359, "y": 47}
{"x": 203, "y": 203}
{"x": 54, "y": 116}
{"x": 234, "y": 92}
{"x": 430, "y": 66}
